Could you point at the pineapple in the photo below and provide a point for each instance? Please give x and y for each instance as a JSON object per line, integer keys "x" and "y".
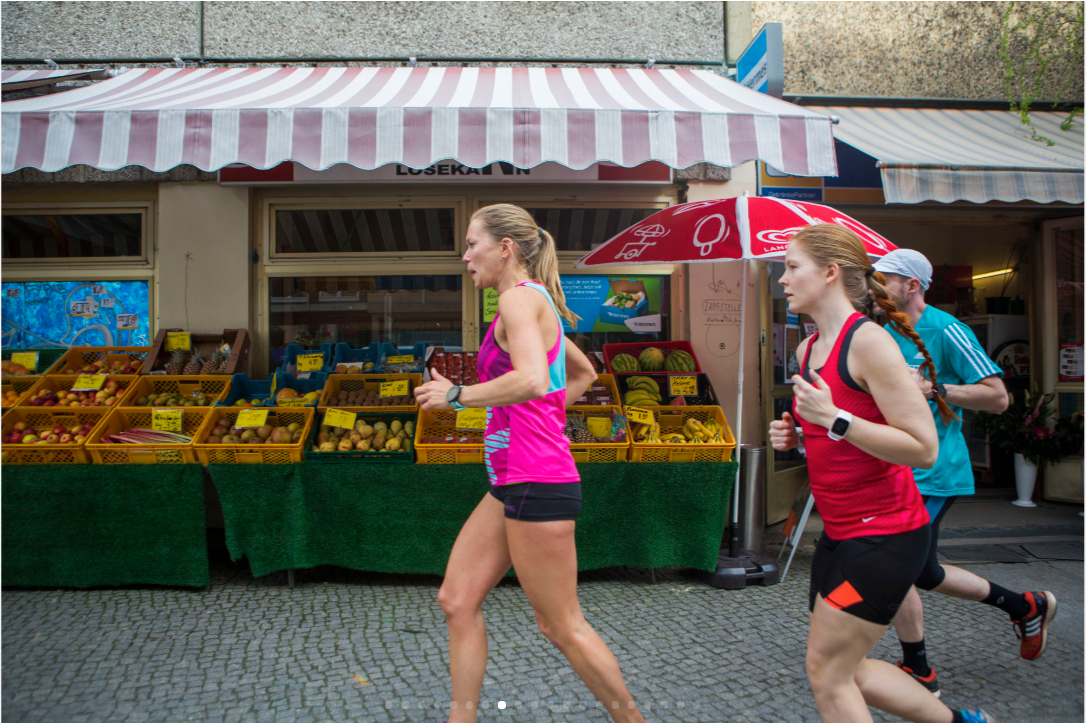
{"x": 579, "y": 429}
{"x": 177, "y": 360}
{"x": 211, "y": 366}
{"x": 224, "y": 363}
{"x": 195, "y": 363}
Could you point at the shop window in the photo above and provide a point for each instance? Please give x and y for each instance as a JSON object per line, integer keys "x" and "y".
{"x": 1069, "y": 302}
{"x": 584, "y": 229}
{"x": 63, "y": 237}
{"x": 70, "y": 314}
{"x": 787, "y": 331}
{"x": 360, "y": 310}
{"x": 346, "y": 231}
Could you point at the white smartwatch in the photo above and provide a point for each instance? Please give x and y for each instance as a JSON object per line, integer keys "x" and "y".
{"x": 839, "y": 427}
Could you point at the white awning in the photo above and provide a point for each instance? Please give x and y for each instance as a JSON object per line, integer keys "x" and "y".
{"x": 963, "y": 155}
{"x": 370, "y": 117}
{"x": 13, "y": 80}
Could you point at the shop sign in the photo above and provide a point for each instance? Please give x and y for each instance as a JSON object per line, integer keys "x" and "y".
{"x": 89, "y": 383}
{"x": 682, "y": 385}
{"x": 396, "y": 388}
{"x": 340, "y": 418}
{"x": 858, "y": 181}
{"x": 640, "y": 416}
{"x": 178, "y": 341}
{"x": 604, "y": 304}
{"x": 310, "y": 362}
{"x": 251, "y": 418}
{"x": 166, "y": 420}
{"x": 471, "y": 419}
{"x": 761, "y": 65}
{"x": 26, "y": 359}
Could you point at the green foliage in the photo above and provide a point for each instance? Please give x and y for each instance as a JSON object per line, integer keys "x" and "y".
{"x": 1023, "y": 428}
{"x": 1050, "y": 36}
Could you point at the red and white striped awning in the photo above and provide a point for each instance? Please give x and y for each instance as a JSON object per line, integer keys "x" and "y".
{"x": 13, "y": 80}
{"x": 370, "y": 117}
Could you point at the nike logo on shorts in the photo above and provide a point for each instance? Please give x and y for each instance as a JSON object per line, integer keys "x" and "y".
{"x": 868, "y": 520}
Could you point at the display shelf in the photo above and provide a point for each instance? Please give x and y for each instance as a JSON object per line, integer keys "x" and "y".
{"x": 600, "y": 452}
{"x": 350, "y": 383}
{"x": 188, "y": 385}
{"x": 122, "y": 418}
{"x": 442, "y": 423}
{"x": 63, "y": 384}
{"x": 78, "y": 357}
{"x": 290, "y": 357}
{"x": 268, "y": 454}
{"x": 240, "y": 387}
{"x": 238, "y": 339}
{"x": 370, "y": 456}
{"x": 671, "y": 420}
{"x": 418, "y": 351}
{"x": 603, "y": 380}
{"x": 704, "y": 386}
{"x": 46, "y": 418}
{"x": 47, "y": 358}
{"x": 610, "y": 351}
{"x": 346, "y": 354}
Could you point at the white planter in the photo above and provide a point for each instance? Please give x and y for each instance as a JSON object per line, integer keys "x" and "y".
{"x": 1025, "y": 477}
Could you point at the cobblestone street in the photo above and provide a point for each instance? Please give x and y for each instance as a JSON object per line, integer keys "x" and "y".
{"x": 350, "y": 646}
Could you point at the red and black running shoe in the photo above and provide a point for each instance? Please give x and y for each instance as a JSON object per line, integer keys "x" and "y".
{"x": 1033, "y": 629}
{"x": 929, "y": 682}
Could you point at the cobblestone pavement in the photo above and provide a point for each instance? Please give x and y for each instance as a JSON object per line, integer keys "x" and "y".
{"x": 345, "y": 646}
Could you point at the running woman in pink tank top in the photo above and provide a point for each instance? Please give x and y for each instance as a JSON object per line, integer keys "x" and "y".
{"x": 529, "y": 373}
{"x": 866, "y": 424}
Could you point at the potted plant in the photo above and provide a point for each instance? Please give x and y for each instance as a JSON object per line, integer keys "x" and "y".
{"x": 1023, "y": 431}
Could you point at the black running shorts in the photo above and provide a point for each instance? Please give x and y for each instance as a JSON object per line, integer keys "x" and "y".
{"x": 539, "y": 502}
{"x": 869, "y": 576}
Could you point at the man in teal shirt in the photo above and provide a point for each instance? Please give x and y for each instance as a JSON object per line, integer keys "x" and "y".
{"x": 965, "y": 378}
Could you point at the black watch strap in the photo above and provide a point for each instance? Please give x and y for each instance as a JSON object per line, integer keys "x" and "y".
{"x": 940, "y": 389}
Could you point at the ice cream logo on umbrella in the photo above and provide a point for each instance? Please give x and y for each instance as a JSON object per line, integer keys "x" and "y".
{"x": 635, "y": 249}
{"x": 722, "y": 233}
{"x": 776, "y": 239}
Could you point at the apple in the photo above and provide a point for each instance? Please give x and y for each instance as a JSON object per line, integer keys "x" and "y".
{"x": 52, "y": 438}
{"x": 20, "y": 426}
{"x": 28, "y": 439}
{"x": 59, "y": 430}
{"x": 66, "y": 438}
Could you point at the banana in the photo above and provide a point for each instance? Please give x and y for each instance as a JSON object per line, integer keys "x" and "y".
{"x": 644, "y": 383}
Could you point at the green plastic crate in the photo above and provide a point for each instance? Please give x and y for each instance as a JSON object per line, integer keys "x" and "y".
{"x": 378, "y": 456}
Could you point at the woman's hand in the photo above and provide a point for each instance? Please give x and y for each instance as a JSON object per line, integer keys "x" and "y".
{"x": 433, "y": 394}
{"x": 782, "y": 433}
{"x": 814, "y": 402}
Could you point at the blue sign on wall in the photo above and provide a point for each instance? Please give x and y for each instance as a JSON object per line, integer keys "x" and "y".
{"x": 761, "y": 65}
{"x": 75, "y": 314}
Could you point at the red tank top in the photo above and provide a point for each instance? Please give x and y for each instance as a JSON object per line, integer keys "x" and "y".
{"x": 857, "y": 494}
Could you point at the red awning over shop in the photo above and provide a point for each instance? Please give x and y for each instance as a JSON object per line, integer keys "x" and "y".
{"x": 370, "y": 117}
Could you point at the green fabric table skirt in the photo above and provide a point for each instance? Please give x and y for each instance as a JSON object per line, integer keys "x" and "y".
{"x": 395, "y": 518}
{"x": 104, "y": 525}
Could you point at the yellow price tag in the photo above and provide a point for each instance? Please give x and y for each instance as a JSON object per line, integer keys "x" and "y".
{"x": 291, "y": 402}
{"x": 252, "y": 418}
{"x": 166, "y": 420}
{"x": 310, "y": 362}
{"x": 639, "y": 415}
{"x": 400, "y": 359}
{"x": 471, "y": 419}
{"x": 26, "y": 359}
{"x": 87, "y": 383}
{"x": 340, "y": 418}
{"x": 178, "y": 340}
{"x": 395, "y": 388}
{"x": 599, "y": 426}
{"x": 684, "y": 385}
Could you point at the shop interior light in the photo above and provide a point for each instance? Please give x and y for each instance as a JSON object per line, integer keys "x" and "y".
{"x": 992, "y": 274}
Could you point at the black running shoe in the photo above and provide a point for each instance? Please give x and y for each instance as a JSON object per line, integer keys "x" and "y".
{"x": 929, "y": 682}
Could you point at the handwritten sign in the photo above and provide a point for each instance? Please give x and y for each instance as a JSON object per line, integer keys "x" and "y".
{"x": 396, "y": 388}
{"x": 166, "y": 420}
{"x": 599, "y": 427}
{"x": 639, "y": 415}
{"x": 471, "y": 419}
{"x": 400, "y": 359}
{"x": 252, "y": 418}
{"x": 310, "y": 362}
{"x": 178, "y": 340}
{"x": 88, "y": 383}
{"x": 80, "y": 309}
{"x": 26, "y": 359}
{"x": 106, "y": 302}
{"x": 682, "y": 385}
{"x": 340, "y": 418}
{"x": 127, "y": 321}
{"x": 291, "y": 402}
{"x": 490, "y": 305}
{"x": 98, "y": 289}
{"x": 11, "y": 293}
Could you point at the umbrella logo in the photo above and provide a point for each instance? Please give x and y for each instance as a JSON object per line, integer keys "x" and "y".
{"x": 634, "y": 249}
{"x": 652, "y": 231}
{"x": 779, "y": 237}
{"x": 722, "y": 233}
{"x": 683, "y": 208}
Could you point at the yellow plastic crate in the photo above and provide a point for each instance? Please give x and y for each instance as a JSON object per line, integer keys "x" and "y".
{"x": 46, "y": 418}
{"x": 80, "y": 356}
{"x": 600, "y": 452}
{"x": 607, "y": 381}
{"x": 121, "y": 419}
{"x": 64, "y": 383}
{"x": 253, "y": 454}
{"x": 211, "y": 385}
{"x": 442, "y": 423}
{"x": 672, "y": 419}
{"x": 350, "y": 383}
{"x": 20, "y": 385}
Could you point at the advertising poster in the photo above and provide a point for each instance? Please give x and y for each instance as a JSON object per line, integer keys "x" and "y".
{"x": 1071, "y": 362}
{"x": 604, "y": 304}
{"x": 75, "y": 314}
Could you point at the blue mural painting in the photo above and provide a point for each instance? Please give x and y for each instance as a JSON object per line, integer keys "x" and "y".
{"x": 75, "y": 314}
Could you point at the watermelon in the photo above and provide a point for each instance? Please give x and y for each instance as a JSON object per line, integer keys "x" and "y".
{"x": 624, "y": 363}
{"x": 679, "y": 361}
{"x": 651, "y": 359}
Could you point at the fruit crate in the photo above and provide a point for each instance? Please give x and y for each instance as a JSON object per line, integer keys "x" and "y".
{"x": 46, "y": 418}
{"x": 354, "y": 456}
{"x": 604, "y": 380}
{"x": 240, "y": 387}
{"x": 63, "y": 383}
{"x": 600, "y": 452}
{"x": 81, "y": 356}
{"x": 672, "y": 419}
{"x": 704, "y": 386}
{"x": 290, "y": 358}
{"x": 20, "y": 385}
{"x": 238, "y": 339}
{"x": 266, "y": 454}
{"x": 610, "y": 351}
{"x": 418, "y": 351}
{"x": 47, "y": 358}
{"x": 105, "y": 453}
{"x": 187, "y": 385}
{"x": 346, "y": 354}
{"x": 350, "y": 383}
{"x": 443, "y": 422}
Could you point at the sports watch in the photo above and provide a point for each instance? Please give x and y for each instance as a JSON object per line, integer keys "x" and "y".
{"x": 939, "y": 389}
{"x": 839, "y": 427}
{"x": 453, "y": 395}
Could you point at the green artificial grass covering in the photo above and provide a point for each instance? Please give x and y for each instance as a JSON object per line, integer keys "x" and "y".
{"x": 394, "y": 518}
{"x": 103, "y": 525}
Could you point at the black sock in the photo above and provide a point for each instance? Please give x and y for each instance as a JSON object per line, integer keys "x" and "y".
{"x": 915, "y": 657}
{"x": 958, "y": 718}
{"x": 1013, "y": 603}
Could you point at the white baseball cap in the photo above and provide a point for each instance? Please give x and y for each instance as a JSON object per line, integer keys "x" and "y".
{"x": 908, "y": 263}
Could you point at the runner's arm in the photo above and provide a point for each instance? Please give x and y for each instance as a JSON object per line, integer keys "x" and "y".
{"x": 988, "y": 395}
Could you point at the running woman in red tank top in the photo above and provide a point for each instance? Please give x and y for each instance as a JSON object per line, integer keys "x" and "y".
{"x": 865, "y": 425}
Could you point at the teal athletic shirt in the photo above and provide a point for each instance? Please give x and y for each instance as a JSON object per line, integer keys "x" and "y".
{"x": 959, "y": 360}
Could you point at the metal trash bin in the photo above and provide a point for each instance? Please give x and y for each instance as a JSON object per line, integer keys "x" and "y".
{"x": 752, "y": 494}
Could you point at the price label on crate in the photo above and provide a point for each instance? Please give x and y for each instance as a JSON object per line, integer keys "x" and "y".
{"x": 89, "y": 383}
{"x": 639, "y": 415}
{"x": 166, "y": 420}
{"x": 340, "y": 418}
{"x": 26, "y": 359}
{"x": 682, "y": 385}
{"x": 396, "y": 388}
{"x": 291, "y": 402}
{"x": 178, "y": 340}
{"x": 400, "y": 359}
{"x": 471, "y": 419}
{"x": 599, "y": 426}
{"x": 128, "y": 321}
{"x": 310, "y": 362}
{"x": 252, "y": 418}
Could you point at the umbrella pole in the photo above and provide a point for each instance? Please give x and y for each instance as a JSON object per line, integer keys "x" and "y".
{"x": 733, "y": 547}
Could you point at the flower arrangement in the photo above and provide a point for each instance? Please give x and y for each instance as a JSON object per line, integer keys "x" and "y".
{"x": 1023, "y": 428}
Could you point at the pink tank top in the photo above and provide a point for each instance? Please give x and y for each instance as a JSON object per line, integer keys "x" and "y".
{"x": 524, "y": 442}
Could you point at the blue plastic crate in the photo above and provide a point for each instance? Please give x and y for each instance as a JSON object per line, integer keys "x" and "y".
{"x": 290, "y": 358}
{"x": 243, "y": 388}
{"x": 390, "y": 350}
{"x": 346, "y": 354}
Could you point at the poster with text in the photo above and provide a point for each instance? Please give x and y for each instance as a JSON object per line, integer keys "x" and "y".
{"x": 604, "y": 304}
{"x": 75, "y": 314}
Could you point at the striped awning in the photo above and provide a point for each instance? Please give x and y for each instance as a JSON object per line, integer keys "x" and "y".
{"x": 370, "y": 117}
{"x": 13, "y": 80}
{"x": 963, "y": 155}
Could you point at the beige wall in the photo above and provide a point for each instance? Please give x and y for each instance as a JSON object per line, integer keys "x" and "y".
{"x": 211, "y": 224}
